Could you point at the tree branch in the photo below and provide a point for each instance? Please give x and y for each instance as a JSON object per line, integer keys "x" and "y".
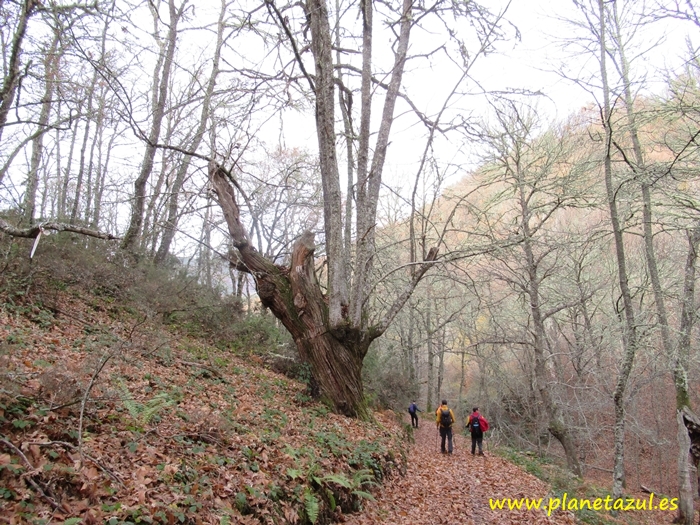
{"x": 275, "y": 12}
{"x": 28, "y": 475}
{"x": 405, "y": 295}
{"x": 34, "y": 231}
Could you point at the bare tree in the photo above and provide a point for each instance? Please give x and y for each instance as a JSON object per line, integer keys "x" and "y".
{"x": 536, "y": 174}
{"x": 630, "y": 338}
{"x": 51, "y": 60}
{"x": 332, "y": 325}
{"x": 161, "y": 84}
{"x": 648, "y": 177}
{"x": 13, "y": 74}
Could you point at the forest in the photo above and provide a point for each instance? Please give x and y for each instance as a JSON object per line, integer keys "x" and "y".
{"x": 413, "y": 219}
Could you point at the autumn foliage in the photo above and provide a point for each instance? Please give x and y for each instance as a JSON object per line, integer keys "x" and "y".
{"x": 112, "y": 413}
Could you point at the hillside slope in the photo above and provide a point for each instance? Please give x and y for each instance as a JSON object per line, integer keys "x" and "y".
{"x": 109, "y": 416}
{"x": 117, "y": 406}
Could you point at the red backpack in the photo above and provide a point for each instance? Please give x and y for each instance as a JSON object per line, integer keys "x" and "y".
{"x": 478, "y": 423}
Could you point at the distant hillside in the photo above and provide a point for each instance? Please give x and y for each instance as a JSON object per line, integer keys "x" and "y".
{"x": 130, "y": 396}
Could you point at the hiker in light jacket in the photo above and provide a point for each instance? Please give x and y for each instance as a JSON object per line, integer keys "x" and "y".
{"x": 444, "y": 419}
{"x": 475, "y": 424}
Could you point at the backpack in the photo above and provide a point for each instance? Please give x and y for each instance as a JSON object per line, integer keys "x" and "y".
{"x": 412, "y": 408}
{"x": 484, "y": 424}
{"x": 445, "y": 418}
{"x": 475, "y": 424}
{"x": 478, "y": 424}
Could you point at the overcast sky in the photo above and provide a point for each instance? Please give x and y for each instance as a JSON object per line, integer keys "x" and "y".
{"x": 532, "y": 62}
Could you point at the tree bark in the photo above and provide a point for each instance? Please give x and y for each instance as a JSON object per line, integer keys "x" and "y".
{"x": 50, "y": 70}
{"x": 629, "y": 339}
{"x": 162, "y": 80}
{"x": 294, "y": 296}
{"x": 433, "y": 393}
{"x": 685, "y": 488}
{"x": 12, "y": 78}
{"x": 321, "y": 47}
{"x": 686, "y": 504}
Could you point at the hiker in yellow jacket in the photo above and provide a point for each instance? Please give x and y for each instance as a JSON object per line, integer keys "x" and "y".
{"x": 444, "y": 419}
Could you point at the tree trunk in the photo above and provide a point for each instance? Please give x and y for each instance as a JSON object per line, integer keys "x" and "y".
{"x": 686, "y": 509}
{"x": 441, "y": 367}
{"x": 432, "y": 389}
{"x": 556, "y": 424}
{"x": 86, "y": 135}
{"x": 685, "y": 489}
{"x": 172, "y": 218}
{"x": 103, "y": 170}
{"x": 12, "y": 77}
{"x": 162, "y": 79}
{"x": 295, "y": 298}
{"x": 50, "y": 69}
{"x": 409, "y": 350}
{"x": 321, "y": 47}
{"x": 686, "y": 503}
{"x": 65, "y": 184}
{"x": 629, "y": 339}
{"x": 345, "y": 102}
{"x": 692, "y": 427}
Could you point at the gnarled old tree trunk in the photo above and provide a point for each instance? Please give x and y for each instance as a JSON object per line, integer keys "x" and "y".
{"x": 689, "y": 443}
{"x": 333, "y": 331}
{"x": 294, "y": 296}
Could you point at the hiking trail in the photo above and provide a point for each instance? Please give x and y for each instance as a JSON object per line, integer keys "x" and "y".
{"x": 444, "y": 489}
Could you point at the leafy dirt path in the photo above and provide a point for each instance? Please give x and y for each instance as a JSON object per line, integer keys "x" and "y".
{"x": 455, "y": 489}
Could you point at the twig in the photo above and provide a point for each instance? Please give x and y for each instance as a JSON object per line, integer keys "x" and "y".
{"x": 598, "y": 468}
{"x": 73, "y": 447}
{"x": 105, "y": 359}
{"x": 28, "y": 475}
{"x": 200, "y": 365}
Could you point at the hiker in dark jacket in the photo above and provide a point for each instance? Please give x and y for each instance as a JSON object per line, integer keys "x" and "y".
{"x": 413, "y": 410}
{"x": 445, "y": 418}
{"x": 477, "y": 426}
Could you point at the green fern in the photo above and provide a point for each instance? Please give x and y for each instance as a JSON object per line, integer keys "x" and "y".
{"x": 143, "y": 413}
{"x": 155, "y": 405}
{"x": 338, "y": 479}
{"x": 363, "y": 494}
{"x": 132, "y": 406}
{"x": 294, "y": 473}
{"x": 363, "y": 477}
{"x": 331, "y": 500}
{"x": 311, "y": 506}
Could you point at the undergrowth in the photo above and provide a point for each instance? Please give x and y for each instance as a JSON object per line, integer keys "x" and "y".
{"x": 564, "y": 482}
{"x": 130, "y": 394}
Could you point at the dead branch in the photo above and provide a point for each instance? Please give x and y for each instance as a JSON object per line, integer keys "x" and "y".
{"x": 34, "y": 231}
{"x": 73, "y": 447}
{"x": 28, "y": 475}
{"x": 205, "y": 367}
